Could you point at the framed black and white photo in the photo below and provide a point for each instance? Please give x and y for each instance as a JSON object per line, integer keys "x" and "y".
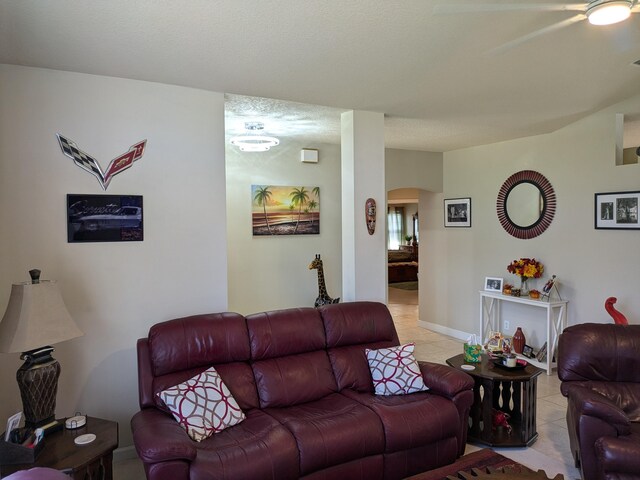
{"x": 617, "y": 210}
{"x": 527, "y": 351}
{"x": 457, "y": 212}
{"x": 104, "y": 218}
{"x": 492, "y": 284}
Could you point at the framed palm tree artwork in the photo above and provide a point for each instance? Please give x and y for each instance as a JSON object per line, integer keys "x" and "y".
{"x": 278, "y": 210}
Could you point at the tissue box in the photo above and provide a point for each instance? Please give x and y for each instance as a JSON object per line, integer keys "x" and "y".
{"x": 472, "y": 353}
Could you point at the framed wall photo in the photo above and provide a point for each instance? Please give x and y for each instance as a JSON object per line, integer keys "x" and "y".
{"x": 492, "y": 284}
{"x": 617, "y": 210}
{"x": 104, "y": 218}
{"x": 457, "y": 212}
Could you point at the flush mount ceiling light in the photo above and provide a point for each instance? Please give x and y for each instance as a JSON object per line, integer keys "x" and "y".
{"x": 254, "y": 143}
{"x": 608, "y": 12}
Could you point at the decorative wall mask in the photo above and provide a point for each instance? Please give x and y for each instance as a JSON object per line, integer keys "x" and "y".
{"x": 370, "y": 215}
{"x": 90, "y": 164}
{"x": 526, "y": 204}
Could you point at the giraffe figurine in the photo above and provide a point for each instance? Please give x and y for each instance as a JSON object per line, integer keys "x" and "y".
{"x": 323, "y": 296}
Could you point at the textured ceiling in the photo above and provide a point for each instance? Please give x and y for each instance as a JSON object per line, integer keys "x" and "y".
{"x": 437, "y": 78}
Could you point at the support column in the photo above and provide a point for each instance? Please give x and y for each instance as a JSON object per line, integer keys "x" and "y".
{"x": 364, "y": 259}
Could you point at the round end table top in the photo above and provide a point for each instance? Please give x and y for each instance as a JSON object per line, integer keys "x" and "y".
{"x": 486, "y": 369}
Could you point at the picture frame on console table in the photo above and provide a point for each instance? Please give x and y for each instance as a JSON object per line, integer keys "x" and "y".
{"x": 493, "y": 284}
{"x": 457, "y": 212}
{"x": 617, "y": 210}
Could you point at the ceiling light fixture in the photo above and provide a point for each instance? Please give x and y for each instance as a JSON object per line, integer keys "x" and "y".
{"x": 608, "y": 12}
{"x": 254, "y": 143}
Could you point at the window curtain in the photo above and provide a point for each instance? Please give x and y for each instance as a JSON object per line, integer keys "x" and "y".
{"x": 395, "y": 220}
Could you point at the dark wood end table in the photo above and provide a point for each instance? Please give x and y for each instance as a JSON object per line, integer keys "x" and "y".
{"x": 510, "y": 391}
{"x": 92, "y": 461}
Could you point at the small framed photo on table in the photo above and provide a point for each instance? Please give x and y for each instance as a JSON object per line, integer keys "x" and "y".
{"x": 457, "y": 212}
{"x": 617, "y": 210}
{"x": 492, "y": 284}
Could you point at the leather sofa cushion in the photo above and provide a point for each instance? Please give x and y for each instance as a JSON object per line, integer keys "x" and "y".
{"x": 358, "y": 323}
{"x": 259, "y": 448}
{"x": 198, "y": 341}
{"x": 331, "y": 431}
{"x": 349, "y": 331}
{"x": 285, "y": 332}
{"x": 580, "y": 353}
{"x": 238, "y": 377}
{"x": 411, "y": 420}
{"x": 287, "y": 381}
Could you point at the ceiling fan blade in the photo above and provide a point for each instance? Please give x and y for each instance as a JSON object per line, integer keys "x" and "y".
{"x": 525, "y": 38}
{"x": 508, "y": 7}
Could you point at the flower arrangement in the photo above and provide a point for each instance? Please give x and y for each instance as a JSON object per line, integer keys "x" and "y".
{"x": 526, "y": 268}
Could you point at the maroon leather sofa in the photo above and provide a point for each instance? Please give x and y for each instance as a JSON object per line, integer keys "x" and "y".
{"x": 303, "y": 381}
{"x": 599, "y": 365}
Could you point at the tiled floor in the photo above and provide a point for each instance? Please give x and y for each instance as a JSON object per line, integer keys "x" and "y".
{"x": 550, "y": 452}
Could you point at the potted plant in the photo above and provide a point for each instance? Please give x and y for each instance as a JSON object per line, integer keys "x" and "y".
{"x": 408, "y": 239}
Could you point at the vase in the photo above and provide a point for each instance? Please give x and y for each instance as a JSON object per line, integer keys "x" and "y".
{"x": 518, "y": 340}
{"x": 524, "y": 287}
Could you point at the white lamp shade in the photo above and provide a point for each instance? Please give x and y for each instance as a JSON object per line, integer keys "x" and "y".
{"x": 36, "y": 316}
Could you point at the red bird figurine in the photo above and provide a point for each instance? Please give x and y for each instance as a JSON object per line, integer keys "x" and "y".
{"x": 501, "y": 419}
{"x": 618, "y": 317}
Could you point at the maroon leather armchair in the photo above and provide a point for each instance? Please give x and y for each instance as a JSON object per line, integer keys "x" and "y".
{"x": 302, "y": 379}
{"x": 599, "y": 366}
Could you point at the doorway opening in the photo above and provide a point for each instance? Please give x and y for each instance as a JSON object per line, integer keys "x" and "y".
{"x": 403, "y": 238}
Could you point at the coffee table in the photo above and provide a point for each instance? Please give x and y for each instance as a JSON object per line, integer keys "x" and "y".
{"x": 510, "y": 391}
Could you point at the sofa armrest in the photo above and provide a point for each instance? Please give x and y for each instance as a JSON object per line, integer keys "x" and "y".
{"x": 618, "y": 456}
{"x": 455, "y": 385}
{"x": 159, "y": 438}
{"x": 445, "y": 380}
{"x": 588, "y": 402}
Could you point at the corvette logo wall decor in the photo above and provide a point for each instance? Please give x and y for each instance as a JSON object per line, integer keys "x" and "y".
{"x": 90, "y": 164}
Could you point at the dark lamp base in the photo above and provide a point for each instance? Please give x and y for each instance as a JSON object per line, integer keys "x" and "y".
{"x": 38, "y": 382}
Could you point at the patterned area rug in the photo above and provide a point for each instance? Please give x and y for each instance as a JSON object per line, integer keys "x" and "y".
{"x": 405, "y": 285}
{"x": 480, "y": 459}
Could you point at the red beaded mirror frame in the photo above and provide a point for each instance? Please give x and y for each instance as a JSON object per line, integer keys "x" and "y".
{"x": 548, "y": 208}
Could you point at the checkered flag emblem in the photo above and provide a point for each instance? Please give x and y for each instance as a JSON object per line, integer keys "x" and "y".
{"x": 91, "y": 165}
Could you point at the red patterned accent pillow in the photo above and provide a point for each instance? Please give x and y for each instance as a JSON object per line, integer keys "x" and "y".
{"x": 203, "y": 405}
{"x": 395, "y": 370}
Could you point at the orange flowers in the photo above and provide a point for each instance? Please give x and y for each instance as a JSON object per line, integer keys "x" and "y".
{"x": 526, "y": 267}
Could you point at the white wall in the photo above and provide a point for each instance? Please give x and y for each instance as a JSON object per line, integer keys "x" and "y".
{"x": 114, "y": 291}
{"x": 579, "y": 161}
{"x": 267, "y": 273}
{"x": 413, "y": 169}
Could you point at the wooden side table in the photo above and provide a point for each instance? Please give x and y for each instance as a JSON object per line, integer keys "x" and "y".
{"x": 92, "y": 461}
{"x": 510, "y": 391}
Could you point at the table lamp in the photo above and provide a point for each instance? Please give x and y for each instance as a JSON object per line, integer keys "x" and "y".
{"x": 36, "y": 318}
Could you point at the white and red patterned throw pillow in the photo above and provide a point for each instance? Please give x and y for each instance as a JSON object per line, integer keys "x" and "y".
{"x": 203, "y": 405}
{"x": 395, "y": 370}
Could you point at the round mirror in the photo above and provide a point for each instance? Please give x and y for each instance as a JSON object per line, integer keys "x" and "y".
{"x": 526, "y": 204}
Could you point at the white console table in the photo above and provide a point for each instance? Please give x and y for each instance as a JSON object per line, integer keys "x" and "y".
{"x": 490, "y": 306}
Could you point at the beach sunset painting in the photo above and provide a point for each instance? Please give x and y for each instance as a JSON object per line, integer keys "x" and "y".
{"x": 285, "y": 210}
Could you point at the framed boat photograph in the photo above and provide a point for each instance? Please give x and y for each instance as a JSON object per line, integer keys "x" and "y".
{"x": 617, "y": 210}
{"x": 104, "y": 218}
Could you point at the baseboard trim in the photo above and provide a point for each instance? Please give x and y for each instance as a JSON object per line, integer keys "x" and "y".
{"x": 451, "y": 332}
{"x": 124, "y": 453}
